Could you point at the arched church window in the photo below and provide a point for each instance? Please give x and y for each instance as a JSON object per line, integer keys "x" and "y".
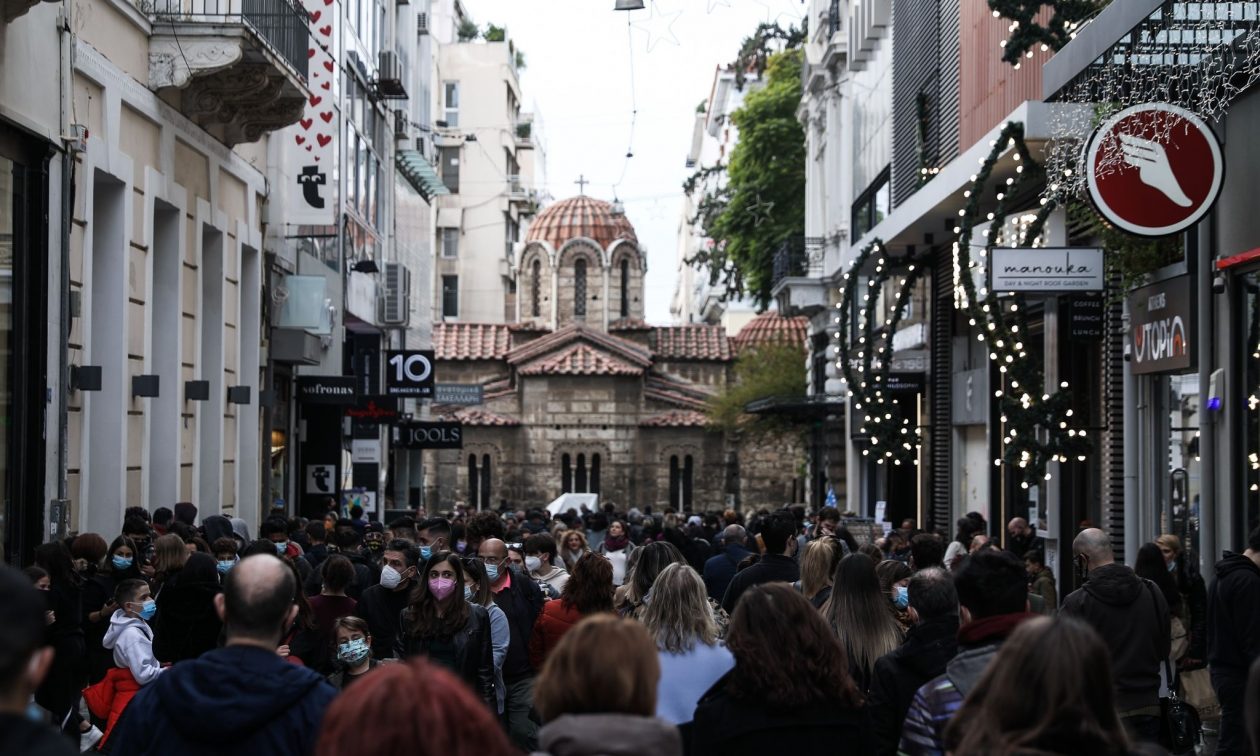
{"x": 566, "y": 474}
{"x": 580, "y": 485}
{"x": 687, "y": 482}
{"x": 579, "y": 288}
{"x": 473, "y": 480}
{"x": 675, "y": 479}
{"x": 594, "y": 487}
{"x": 485, "y": 481}
{"x": 535, "y": 292}
{"x": 625, "y": 287}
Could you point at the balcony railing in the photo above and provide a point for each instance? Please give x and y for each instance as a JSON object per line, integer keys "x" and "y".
{"x": 282, "y": 25}
{"x": 797, "y": 257}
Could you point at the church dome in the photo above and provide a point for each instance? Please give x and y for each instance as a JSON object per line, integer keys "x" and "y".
{"x": 580, "y": 217}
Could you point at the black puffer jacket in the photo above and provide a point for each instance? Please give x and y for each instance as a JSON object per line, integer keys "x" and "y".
{"x": 474, "y": 658}
{"x": 1132, "y": 617}
{"x": 921, "y": 658}
{"x": 1234, "y": 616}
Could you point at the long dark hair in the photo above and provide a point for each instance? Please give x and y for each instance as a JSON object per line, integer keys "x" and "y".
{"x": 653, "y": 559}
{"x": 1074, "y": 710}
{"x": 860, "y": 614}
{"x": 785, "y": 655}
{"x": 107, "y": 565}
{"x": 422, "y": 617}
{"x": 1150, "y": 564}
{"x": 589, "y": 587}
{"x": 55, "y": 558}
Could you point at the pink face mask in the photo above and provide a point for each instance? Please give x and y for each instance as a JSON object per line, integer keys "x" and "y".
{"x": 441, "y": 587}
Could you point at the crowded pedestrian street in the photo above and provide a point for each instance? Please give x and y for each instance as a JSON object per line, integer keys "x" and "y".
{"x": 629, "y": 377}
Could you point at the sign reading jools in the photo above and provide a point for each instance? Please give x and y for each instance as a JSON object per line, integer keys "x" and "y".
{"x": 1154, "y": 169}
{"x": 430, "y": 436}
{"x": 1160, "y": 327}
{"x": 1046, "y": 270}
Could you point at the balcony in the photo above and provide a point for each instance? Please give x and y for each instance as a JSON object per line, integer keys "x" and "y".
{"x": 517, "y": 192}
{"x": 237, "y": 68}
{"x": 798, "y": 284}
{"x": 524, "y": 134}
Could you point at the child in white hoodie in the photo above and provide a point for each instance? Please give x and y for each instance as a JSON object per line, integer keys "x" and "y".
{"x": 129, "y": 634}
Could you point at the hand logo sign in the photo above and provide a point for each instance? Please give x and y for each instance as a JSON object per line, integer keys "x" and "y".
{"x": 1153, "y": 167}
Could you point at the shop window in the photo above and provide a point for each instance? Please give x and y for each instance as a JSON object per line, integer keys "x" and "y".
{"x": 579, "y": 288}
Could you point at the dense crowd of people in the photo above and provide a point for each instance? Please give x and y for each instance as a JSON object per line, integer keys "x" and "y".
{"x": 616, "y": 633}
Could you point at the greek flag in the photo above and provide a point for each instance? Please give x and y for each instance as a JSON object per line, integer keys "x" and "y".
{"x": 831, "y": 497}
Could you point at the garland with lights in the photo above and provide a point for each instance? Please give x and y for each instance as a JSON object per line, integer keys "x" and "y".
{"x": 1036, "y": 423}
{"x": 893, "y": 435}
{"x": 1026, "y": 33}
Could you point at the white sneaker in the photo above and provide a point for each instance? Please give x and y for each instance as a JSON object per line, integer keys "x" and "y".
{"x": 89, "y": 738}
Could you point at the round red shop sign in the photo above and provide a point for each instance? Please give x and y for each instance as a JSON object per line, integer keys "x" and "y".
{"x": 1154, "y": 169}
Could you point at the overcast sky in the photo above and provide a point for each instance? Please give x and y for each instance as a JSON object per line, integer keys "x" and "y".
{"x": 579, "y": 64}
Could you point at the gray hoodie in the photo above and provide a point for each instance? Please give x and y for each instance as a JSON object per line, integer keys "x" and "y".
{"x": 608, "y": 735}
{"x": 131, "y": 640}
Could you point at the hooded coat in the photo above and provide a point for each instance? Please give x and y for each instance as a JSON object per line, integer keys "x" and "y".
{"x": 897, "y": 675}
{"x": 187, "y": 625}
{"x": 1131, "y": 616}
{"x": 608, "y": 735}
{"x": 1233, "y": 617}
{"x": 241, "y": 700}
{"x": 131, "y": 640}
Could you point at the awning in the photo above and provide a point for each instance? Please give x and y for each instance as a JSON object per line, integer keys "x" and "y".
{"x": 450, "y": 217}
{"x": 420, "y": 173}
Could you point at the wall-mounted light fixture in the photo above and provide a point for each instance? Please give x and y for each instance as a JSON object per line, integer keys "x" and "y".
{"x": 196, "y": 391}
{"x": 144, "y": 385}
{"x": 85, "y": 377}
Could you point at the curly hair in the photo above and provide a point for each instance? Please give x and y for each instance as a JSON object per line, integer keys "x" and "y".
{"x": 785, "y": 654}
{"x": 589, "y": 588}
{"x": 482, "y": 526}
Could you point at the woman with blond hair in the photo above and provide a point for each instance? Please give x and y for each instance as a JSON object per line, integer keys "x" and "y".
{"x": 572, "y": 547}
{"x": 818, "y": 564}
{"x": 692, "y": 658}
{"x": 609, "y": 712}
{"x": 861, "y": 617}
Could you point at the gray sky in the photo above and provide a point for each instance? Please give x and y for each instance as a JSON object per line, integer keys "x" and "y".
{"x": 578, "y": 76}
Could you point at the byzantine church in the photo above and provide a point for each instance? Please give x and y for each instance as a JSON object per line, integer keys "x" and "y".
{"x": 582, "y": 395}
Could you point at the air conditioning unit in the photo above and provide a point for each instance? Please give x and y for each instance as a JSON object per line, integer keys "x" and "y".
{"x": 389, "y": 76}
{"x": 422, "y": 24}
{"x": 394, "y": 301}
{"x": 402, "y": 124}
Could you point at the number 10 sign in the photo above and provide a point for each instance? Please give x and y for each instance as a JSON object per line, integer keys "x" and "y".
{"x": 409, "y": 373}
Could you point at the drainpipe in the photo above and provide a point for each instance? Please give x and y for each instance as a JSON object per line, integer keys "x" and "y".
{"x": 67, "y": 209}
{"x": 1132, "y": 530}
{"x": 1207, "y": 419}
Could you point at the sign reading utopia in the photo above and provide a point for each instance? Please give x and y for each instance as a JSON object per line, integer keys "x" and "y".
{"x": 1154, "y": 169}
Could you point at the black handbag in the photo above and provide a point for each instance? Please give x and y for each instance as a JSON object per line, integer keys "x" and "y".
{"x": 1181, "y": 725}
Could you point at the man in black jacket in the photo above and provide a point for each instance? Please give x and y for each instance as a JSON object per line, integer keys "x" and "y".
{"x": 721, "y": 567}
{"x": 1132, "y": 617}
{"x": 521, "y": 600}
{"x": 382, "y": 604}
{"x": 778, "y": 536}
{"x": 930, "y": 644}
{"x": 1233, "y": 630}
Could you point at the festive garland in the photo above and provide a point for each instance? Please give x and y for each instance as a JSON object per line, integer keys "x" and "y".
{"x": 1036, "y": 423}
{"x": 1026, "y": 33}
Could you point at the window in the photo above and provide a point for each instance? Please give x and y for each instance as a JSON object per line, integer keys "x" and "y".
{"x": 579, "y": 484}
{"x": 474, "y": 480}
{"x": 594, "y": 487}
{"x": 680, "y": 481}
{"x": 450, "y": 242}
{"x": 450, "y": 296}
{"x": 625, "y": 287}
{"x": 485, "y": 481}
{"x": 451, "y": 100}
{"x": 872, "y": 206}
{"x": 479, "y": 482}
{"x": 535, "y": 290}
{"x": 579, "y": 289}
{"x": 449, "y": 157}
{"x": 566, "y": 474}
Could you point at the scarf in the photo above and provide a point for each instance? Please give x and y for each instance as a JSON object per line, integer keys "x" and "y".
{"x": 615, "y": 544}
{"x": 988, "y": 629}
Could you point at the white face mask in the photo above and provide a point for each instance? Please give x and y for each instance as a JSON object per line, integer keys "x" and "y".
{"x": 390, "y": 578}
{"x": 533, "y": 563}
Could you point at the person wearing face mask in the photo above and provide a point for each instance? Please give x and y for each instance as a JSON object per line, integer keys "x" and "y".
{"x": 381, "y": 604}
{"x": 98, "y": 601}
{"x": 522, "y": 602}
{"x": 354, "y": 658}
{"x": 225, "y": 556}
{"x": 332, "y": 602}
{"x": 131, "y": 640}
{"x": 894, "y": 577}
{"x": 440, "y": 624}
{"x": 542, "y": 560}
{"x": 477, "y": 591}
{"x": 433, "y": 535}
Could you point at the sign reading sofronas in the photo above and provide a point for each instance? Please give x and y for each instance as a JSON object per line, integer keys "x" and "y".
{"x": 1046, "y": 270}
{"x": 1161, "y": 327}
{"x": 1154, "y": 169}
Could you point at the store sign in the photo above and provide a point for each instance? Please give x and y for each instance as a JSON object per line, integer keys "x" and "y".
{"x": 1161, "y": 327}
{"x": 321, "y": 479}
{"x": 409, "y": 373}
{"x": 1046, "y": 270}
{"x": 1086, "y": 318}
{"x": 310, "y": 146}
{"x": 458, "y": 393}
{"x": 375, "y": 410}
{"x": 1154, "y": 169}
{"x": 326, "y": 389}
{"x": 365, "y": 451}
{"x": 431, "y": 436}
{"x": 907, "y": 383}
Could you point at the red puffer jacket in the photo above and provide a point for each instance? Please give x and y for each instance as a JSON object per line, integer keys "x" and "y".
{"x": 556, "y": 619}
{"x": 107, "y": 698}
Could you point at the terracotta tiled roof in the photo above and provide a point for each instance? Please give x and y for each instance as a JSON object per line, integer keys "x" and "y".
{"x": 629, "y": 324}
{"x": 475, "y": 416}
{"x": 471, "y": 341}
{"x": 675, "y": 419}
{"x": 499, "y": 388}
{"x": 623, "y": 349}
{"x": 580, "y": 217}
{"x": 676, "y": 391}
{"x": 581, "y": 359}
{"x": 691, "y": 342}
{"x": 772, "y": 328}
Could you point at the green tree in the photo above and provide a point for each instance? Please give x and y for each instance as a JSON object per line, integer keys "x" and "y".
{"x": 762, "y": 200}
{"x": 494, "y": 33}
{"x": 467, "y": 31}
{"x": 766, "y": 371}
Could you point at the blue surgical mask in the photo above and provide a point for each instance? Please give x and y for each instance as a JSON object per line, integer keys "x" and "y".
{"x": 1172, "y": 566}
{"x": 148, "y": 609}
{"x": 468, "y": 594}
{"x": 352, "y": 652}
{"x": 281, "y": 547}
{"x": 226, "y": 564}
{"x": 901, "y": 596}
{"x": 122, "y": 563}
{"x": 492, "y": 571}
{"x": 426, "y": 552}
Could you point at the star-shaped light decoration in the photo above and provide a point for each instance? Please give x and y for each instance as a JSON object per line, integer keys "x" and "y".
{"x": 658, "y": 26}
{"x": 774, "y": 17}
{"x": 718, "y": 3}
{"x": 761, "y": 210}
